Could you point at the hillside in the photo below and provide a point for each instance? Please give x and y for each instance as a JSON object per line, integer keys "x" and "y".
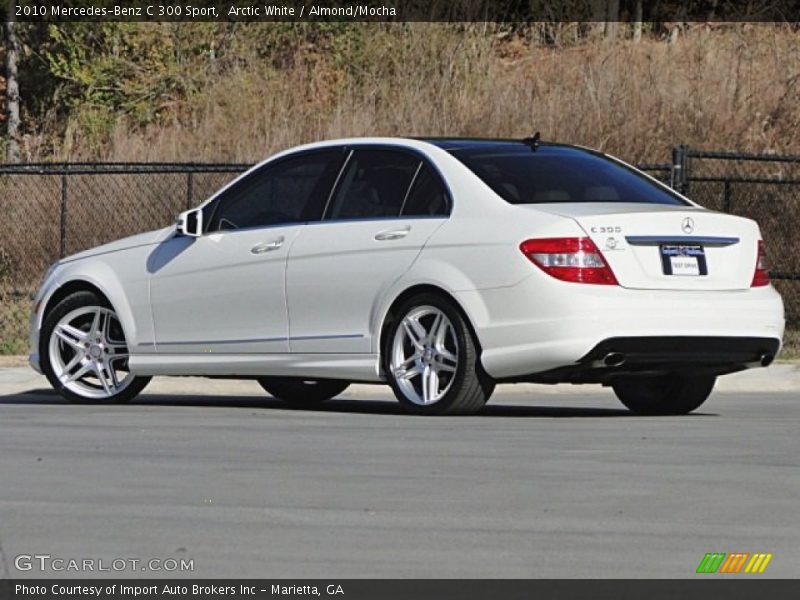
{"x": 164, "y": 91}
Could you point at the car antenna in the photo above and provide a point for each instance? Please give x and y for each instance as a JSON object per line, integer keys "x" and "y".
{"x": 533, "y": 141}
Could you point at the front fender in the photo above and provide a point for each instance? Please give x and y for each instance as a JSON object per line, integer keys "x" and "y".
{"x": 100, "y": 275}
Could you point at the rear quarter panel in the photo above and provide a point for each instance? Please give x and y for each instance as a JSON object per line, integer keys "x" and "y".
{"x": 477, "y": 252}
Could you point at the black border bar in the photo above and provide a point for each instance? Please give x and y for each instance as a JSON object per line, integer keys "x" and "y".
{"x": 511, "y": 11}
{"x": 739, "y": 587}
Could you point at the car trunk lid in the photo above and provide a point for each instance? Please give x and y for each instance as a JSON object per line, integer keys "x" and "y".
{"x": 661, "y": 247}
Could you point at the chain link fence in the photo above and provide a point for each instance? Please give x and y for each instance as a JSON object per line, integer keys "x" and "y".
{"x": 53, "y": 210}
{"x": 763, "y": 187}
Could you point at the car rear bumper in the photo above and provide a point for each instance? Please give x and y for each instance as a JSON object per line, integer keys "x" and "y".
{"x": 614, "y": 357}
{"x": 538, "y": 327}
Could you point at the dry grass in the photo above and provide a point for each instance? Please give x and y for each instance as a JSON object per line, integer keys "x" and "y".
{"x": 15, "y": 310}
{"x": 791, "y": 345}
{"x": 13, "y": 361}
{"x": 732, "y": 87}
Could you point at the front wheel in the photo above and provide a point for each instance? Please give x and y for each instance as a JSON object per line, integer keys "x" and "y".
{"x": 432, "y": 360}
{"x": 303, "y": 393}
{"x": 84, "y": 354}
{"x": 669, "y": 394}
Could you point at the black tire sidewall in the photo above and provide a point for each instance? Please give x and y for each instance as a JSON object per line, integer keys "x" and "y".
{"x": 293, "y": 390}
{"x": 683, "y": 393}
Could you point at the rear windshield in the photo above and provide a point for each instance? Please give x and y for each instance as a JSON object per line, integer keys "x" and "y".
{"x": 559, "y": 174}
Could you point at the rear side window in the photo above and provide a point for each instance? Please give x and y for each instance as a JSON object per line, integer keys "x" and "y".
{"x": 427, "y": 196}
{"x": 555, "y": 174}
{"x": 373, "y": 185}
{"x": 291, "y": 191}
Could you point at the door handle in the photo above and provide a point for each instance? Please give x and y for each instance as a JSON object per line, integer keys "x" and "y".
{"x": 263, "y": 247}
{"x": 392, "y": 234}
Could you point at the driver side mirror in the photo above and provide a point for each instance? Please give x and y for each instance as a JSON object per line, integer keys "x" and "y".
{"x": 190, "y": 223}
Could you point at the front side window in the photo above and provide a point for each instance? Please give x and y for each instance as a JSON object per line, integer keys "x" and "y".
{"x": 293, "y": 190}
{"x": 373, "y": 185}
{"x": 555, "y": 174}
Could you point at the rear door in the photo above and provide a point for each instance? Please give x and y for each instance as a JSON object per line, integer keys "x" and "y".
{"x": 386, "y": 204}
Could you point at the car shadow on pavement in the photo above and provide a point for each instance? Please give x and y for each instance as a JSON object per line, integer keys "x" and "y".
{"x": 365, "y": 406}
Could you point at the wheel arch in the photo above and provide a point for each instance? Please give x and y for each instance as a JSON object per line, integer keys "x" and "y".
{"x": 69, "y": 288}
{"x": 421, "y": 288}
{"x": 110, "y": 290}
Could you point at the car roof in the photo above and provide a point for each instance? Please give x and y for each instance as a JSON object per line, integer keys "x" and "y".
{"x": 451, "y": 145}
{"x": 469, "y": 142}
{"x": 454, "y": 144}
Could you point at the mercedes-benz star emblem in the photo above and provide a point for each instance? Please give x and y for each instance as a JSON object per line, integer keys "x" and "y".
{"x": 687, "y": 225}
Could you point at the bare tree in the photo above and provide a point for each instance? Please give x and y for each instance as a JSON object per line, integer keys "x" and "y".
{"x": 612, "y": 20}
{"x": 674, "y": 29}
{"x": 599, "y": 11}
{"x": 637, "y": 21}
{"x": 12, "y": 87}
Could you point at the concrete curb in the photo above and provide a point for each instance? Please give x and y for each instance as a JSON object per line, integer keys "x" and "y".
{"x": 779, "y": 377}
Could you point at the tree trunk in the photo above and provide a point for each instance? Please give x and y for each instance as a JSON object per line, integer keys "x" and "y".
{"x": 599, "y": 10}
{"x": 637, "y": 21}
{"x": 12, "y": 87}
{"x": 612, "y": 20}
{"x": 673, "y": 33}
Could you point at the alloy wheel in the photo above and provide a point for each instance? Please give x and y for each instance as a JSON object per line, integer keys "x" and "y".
{"x": 88, "y": 353}
{"x": 424, "y": 355}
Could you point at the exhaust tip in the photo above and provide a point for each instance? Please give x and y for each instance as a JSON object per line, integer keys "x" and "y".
{"x": 766, "y": 359}
{"x": 614, "y": 359}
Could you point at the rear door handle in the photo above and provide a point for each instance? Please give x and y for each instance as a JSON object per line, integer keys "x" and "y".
{"x": 392, "y": 234}
{"x": 263, "y": 247}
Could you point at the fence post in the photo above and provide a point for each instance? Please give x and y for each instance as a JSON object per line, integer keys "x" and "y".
{"x": 686, "y": 171}
{"x": 726, "y": 200}
{"x": 674, "y": 173}
{"x": 679, "y": 176}
{"x": 63, "y": 227}
{"x": 189, "y": 190}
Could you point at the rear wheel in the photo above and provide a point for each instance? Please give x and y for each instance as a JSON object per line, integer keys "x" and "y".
{"x": 431, "y": 359}
{"x": 303, "y": 393}
{"x": 84, "y": 354}
{"x": 669, "y": 394}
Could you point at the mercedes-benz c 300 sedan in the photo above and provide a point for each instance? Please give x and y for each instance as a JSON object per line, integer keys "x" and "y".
{"x": 441, "y": 267}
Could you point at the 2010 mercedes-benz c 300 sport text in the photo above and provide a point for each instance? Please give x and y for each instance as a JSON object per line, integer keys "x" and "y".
{"x": 441, "y": 267}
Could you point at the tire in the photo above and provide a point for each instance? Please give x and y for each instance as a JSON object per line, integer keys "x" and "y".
{"x": 670, "y": 394}
{"x": 418, "y": 342}
{"x": 87, "y": 369}
{"x": 302, "y": 393}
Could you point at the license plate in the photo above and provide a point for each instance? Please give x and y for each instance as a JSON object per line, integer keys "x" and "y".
{"x": 680, "y": 260}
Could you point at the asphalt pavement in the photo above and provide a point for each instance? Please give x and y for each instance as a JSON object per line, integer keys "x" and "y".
{"x": 547, "y": 482}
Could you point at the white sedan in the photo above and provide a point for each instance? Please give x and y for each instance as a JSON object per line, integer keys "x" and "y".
{"x": 441, "y": 267}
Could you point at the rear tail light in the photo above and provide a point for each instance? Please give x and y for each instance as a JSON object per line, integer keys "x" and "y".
{"x": 761, "y": 276}
{"x": 569, "y": 259}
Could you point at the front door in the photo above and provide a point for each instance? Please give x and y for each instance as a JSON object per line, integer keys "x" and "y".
{"x": 224, "y": 291}
{"x": 219, "y": 293}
